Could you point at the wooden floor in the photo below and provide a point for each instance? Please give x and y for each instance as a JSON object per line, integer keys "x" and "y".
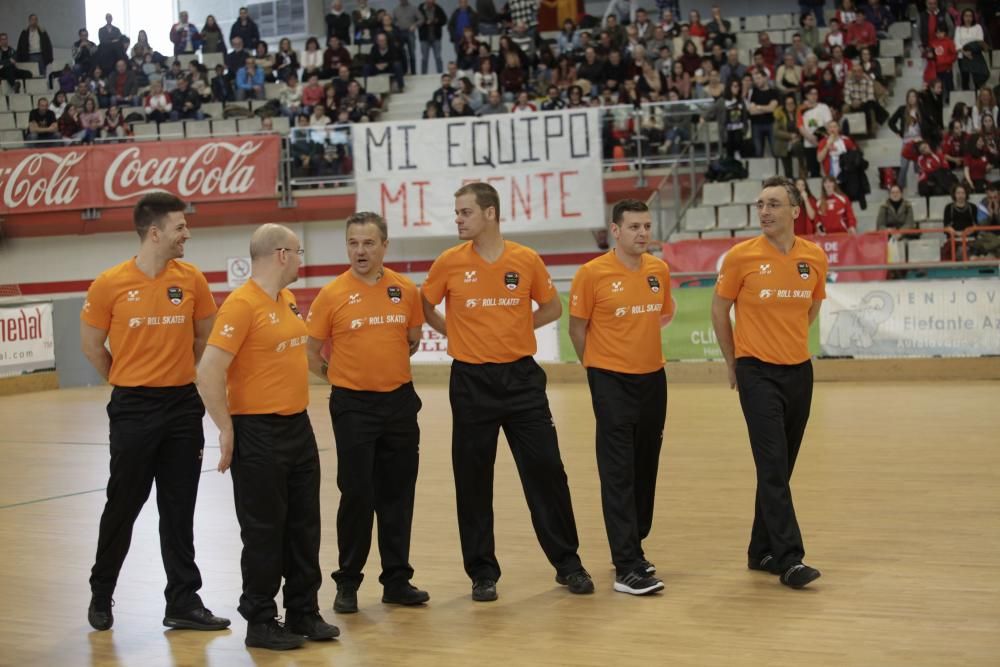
{"x": 897, "y": 490}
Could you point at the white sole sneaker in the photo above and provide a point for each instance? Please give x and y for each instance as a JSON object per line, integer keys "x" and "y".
{"x": 639, "y": 590}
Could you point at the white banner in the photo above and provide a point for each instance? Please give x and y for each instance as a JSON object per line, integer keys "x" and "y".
{"x": 951, "y": 318}
{"x": 26, "y": 340}
{"x": 546, "y": 167}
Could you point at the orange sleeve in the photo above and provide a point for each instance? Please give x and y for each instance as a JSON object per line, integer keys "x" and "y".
{"x": 436, "y": 283}
{"x": 417, "y": 308}
{"x": 204, "y": 302}
{"x": 318, "y": 324}
{"x": 542, "y": 289}
{"x": 728, "y": 284}
{"x": 97, "y": 306}
{"x": 232, "y": 326}
{"x": 581, "y": 294}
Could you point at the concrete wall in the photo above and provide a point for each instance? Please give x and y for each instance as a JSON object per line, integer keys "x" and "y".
{"x": 61, "y": 18}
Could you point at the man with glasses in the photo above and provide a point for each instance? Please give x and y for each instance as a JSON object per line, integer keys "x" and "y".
{"x": 373, "y": 408}
{"x": 254, "y": 378}
{"x": 777, "y": 283}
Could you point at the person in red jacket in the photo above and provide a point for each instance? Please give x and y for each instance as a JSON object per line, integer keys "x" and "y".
{"x": 805, "y": 222}
{"x": 945, "y": 55}
{"x": 860, "y": 34}
{"x": 953, "y": 144}
{"x": 831, "y": 147}
{"x": 935, "y": 177}
{"x": 836, "y": 213}
{"x": 976, "y": 165}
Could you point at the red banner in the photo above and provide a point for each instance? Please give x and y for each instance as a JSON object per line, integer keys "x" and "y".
{"x": 113, "y": 175}
{"x": 840, "y": 249}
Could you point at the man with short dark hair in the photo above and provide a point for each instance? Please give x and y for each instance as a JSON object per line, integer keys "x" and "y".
{"x": 186, "y": 102}
{"x": 43, "y": 126}
{"x": 156, "y": 313}
{"x": 618, "y": 303}
{"x": 9, "y": 71}
{"x": 246, "y": 29}
{"x": 430, "y": 24}
{"x": 83, "y": 53}
{"x": 34, "y": 45}
{"x": 777, "y": 283}
{"x": 763, "y": 102}
{"x": 384, "y": 59}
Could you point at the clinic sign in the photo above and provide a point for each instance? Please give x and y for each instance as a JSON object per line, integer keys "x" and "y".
{"x": 546, "y": 167}
{"x": 26, "y": 339}
{"x": 911, "y": 319}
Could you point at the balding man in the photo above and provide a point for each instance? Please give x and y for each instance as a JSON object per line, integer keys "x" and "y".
{"x": 254, "y": 381}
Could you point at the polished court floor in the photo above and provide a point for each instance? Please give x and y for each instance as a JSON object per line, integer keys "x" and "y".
{"x": 897, "y": 490}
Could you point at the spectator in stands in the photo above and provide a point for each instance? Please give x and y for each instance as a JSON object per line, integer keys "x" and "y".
{"x": 932, "y": 108}
{"x": 342, "y": 81}
{"x": 953, "y": 144}
{"x": 860, "y": 34}
{"x": 760, "y": 66}
{"x": 908, "y": 123}
{"x": 222, "y": 86}
{"x": 805, "y": 222}
{"x": 172, "y": 75}
{"x": 814, "y": 10}
{"x": 768, "y": 49}
{"x": 83, "y": 52}
{"x": 678, "y": 79}
{"x": 245, "y": 29}
{"x": 991, "y": 139}
{"x": 523, "y": 103}
{"x": 873, "y": 71}
{"x": 576, "y": 98}
{"x": 384, "y": 59}
{"x": 265, "y": 61}
{"x": 670, "y": 26}
{"x": 158, "y": 104}
{"x": 360, "y": 105}
{"x": 286, "y": 61}
{"x": 151, "y": 70}
{"x": 650, "y": 80}
{"x": 960, "y": 214}
{"x": 513, "y": 77}
{"x": 312, "y": 59}
{"x": 735, "y": 120}
{"x": 34, "y": 45}
{"x": 290, "y": 97}
{"x": 463, "y": 17}
{"x": 721, "y": 28}
{"x": 895, "y": 212}
{"x": 812, "y": 73}
{"x": 591, "y": 69}
{"x": 962, "y": 113}
{"x": 442, "y": 96}
{"x": 198, "y": 76}
{"x": 763, "y": 103}
{"x": 431, "y": 22}
{"x": 406, "y": 18}
{"x": 810, "y": 33}
{"x": 186, "y": 102}
{"x": 185, "y": 36}
{"x": 788, "y": 78}
{"x": 879, "y": 16}
{"x": 942, "y": 51}
{"x": 835, "y": 213}
{"x": 364, "y": 23}
{"x": 338, "y": 22}
{"x": 494, "y": 104}
{"x": 58, "y": 104}
{"x": 467, "y": 52}
{"x": 930, "y": 18}
{"x": 486, "y": 79}
{"x": 72, "y": 131}
{"x": 976, "y": 164}
{"x": 122, "y": 85}
{"x": 81, "y": 95}
{"x": 835, "y": 37}
{"x": 319, "y": 117}
{"x": 212, "y": 39}
{"x": 787, "y": 140}
{"x": 831, "y": 93}
{"x": 972, "y": 50}
{"x": 733, "y": 69}
{"x": 249, "y": 81}
{"x": 9, "y": 71}
{"x": 474, "y": 98}
{"x": 237, "y": 58}
{"x": 859, "y": 96}
{"x": 832, "y": 147}
{"x": 114, "y": 124}
{"x": 334, "y": 56}
{"x": 552, "y": 101}
{"x": 111, "y": 44}
{"x": 985, "y": 106}
{"x": 67, "y": 79}
{"x": 989, "y": 207}
{"x": 98, "y": 85}
{"x": 935, "y": 177}
{"x": 690, "y": 60}
{"x": 798, "y": 49}
{"x": 813, "y": 119}
{"x": 839, "y": 64}
{"x": 43, "y": 126}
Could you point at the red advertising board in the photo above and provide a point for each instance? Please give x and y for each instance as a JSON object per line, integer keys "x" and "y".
{"x": 840, "y": 249}
{"x": 114, "y": 175}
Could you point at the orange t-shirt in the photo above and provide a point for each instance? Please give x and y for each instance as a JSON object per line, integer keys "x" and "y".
{"x": 488, "y": 306}
{"x": 773, "y": 293}
{"x": 367, "y": 325}
{"x": 269, "y": 373}
{"x": 624, "y": 308}
{"x": 150, "y": 321}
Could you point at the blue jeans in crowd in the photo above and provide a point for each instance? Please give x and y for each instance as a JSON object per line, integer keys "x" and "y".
{"x": 435, "y": 47}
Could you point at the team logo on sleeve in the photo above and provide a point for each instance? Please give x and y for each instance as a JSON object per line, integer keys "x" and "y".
{"x": 295, "y": 310}
{"x": 395, "y": 294}
{"x": 654, "y": 283}
{"x": 176, "y": 295}
{"x": 511, "y": 279}
{"x": 803, "y": 271}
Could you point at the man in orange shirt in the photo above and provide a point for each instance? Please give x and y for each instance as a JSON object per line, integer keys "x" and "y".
{"x": 777, "y": 283}
{"x": 157, "y": 312}
{"x": 373, "y": 408}
{"x": 489, "y": 284}
{"x": 617, "y": 303}
{"x": 254, "y": 378}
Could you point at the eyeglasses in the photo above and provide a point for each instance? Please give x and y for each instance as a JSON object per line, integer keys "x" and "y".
{"x": 761, "y": 205}
{"x": 299, "y": 252}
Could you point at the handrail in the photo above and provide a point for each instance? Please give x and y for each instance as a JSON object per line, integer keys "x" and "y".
{"x": 969, "y": 231}
{"x": 971, "y": 264}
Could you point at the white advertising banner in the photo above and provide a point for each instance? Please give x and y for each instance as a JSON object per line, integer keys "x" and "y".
{"x": 949, "y": 318}
{"x": 546, "y": 167}
{"x": 26, "y": 340}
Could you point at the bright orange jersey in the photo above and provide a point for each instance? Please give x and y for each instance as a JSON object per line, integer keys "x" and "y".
{"x": 269, "y": 373}
{"x": 367, "y": 327}
{"x": 624, "y": 308}
{"x": 150, "y": 321}
{"x": 488, "y": 306}
{"x": 773, "y": 293}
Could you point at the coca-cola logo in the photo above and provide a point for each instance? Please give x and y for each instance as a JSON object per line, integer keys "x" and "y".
{"x": 41, "y": 178}
{"x": 215, "y": 168}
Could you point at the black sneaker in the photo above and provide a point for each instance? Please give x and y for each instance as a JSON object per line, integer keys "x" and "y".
{"x": 346, "y": 601}
{"x": 484, "y": 590}
{"x": 272, "y": 635}
{"x": 799, "y": 575}
{"x": 637, "y": 582}
{"x": 196, "y": 619}
{"x": 99, "y": 613}
{"x": 311, "y": 626}
{"x": 765, "y": 564}
{"x": 579, "y": 582}
{"x": 407, "y": 595}
{"x": 647, "y": 567}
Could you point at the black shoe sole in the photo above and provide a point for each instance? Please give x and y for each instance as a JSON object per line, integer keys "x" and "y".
{"x": 802, "y": 584}
{"x": 276, "y": 647}
{"x": 182, "y": 624}
{"x": 484, "y": 598}
{"x": 576, "y": 591}
{"x": 333, "y": 634}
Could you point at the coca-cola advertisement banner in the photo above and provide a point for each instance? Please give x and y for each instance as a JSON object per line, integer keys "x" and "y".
{"x": 840, "y": 249}
{"x": 115, "y": 175}
{"x": 26, "y": 340}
